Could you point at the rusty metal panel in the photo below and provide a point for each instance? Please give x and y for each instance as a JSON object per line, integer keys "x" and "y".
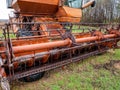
{"x": 36, "y": 6}
{"x": 68, "y": 11}
{"x": 66, "y": 14}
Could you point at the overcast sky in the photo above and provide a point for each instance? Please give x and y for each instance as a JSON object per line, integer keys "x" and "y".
{"x": 3, "y": 10}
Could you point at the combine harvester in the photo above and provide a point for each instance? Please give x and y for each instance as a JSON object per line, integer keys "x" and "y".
{"x": 46, "y": 34}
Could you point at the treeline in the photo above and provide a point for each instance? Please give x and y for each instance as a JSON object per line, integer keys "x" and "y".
{"x": 105, "y": 11}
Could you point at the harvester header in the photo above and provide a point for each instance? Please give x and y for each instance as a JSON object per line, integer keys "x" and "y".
{"x": 43, "y": 36}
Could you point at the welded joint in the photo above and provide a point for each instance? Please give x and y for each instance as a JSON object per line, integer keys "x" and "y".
{"x": 68, "y": 35}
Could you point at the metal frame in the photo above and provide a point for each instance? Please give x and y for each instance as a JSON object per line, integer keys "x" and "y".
{"x": 67, "y": 56}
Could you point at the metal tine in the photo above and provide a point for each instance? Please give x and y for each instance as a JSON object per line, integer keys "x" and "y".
{"x": 25, "y": 66}
{"x": 34, "y": 58}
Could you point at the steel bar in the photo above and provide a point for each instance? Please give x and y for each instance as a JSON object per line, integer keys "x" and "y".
{"x": 88, "y": 39}
{"x": 49, "y": 45}
{"x": 88, "y": 4}
{"x": 41, "y": 46}
{"x": 23, "y": 58}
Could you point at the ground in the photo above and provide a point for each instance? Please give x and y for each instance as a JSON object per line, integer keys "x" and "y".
{"x": 101, "y": 72}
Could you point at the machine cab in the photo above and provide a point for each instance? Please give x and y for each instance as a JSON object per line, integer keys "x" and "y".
{"x": 74, "y": 3}
{"x": 9, "y": 3}
{"x": 79, "y": 4}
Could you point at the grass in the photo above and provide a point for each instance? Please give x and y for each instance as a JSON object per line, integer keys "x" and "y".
{"x": 12, "y": 36}
{"x": 79, "y": 76}
{"x": 79, "y": 29}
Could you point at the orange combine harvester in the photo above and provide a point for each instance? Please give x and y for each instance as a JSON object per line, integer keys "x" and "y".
{"x": 46, "y": 34}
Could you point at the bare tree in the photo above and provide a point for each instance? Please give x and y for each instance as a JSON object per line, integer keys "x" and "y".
{"x": 105, "y": 11}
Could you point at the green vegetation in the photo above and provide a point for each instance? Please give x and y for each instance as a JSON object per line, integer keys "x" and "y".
{"x": 89, "y": 74}
{"x": 79, "y": 29}
{"x": 12, "y": 36}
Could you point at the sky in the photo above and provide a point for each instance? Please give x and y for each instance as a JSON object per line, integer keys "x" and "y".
{"x": 4, "y": 12}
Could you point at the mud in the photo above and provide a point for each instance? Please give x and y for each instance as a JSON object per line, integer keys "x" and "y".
{"x": 113, "y": 66}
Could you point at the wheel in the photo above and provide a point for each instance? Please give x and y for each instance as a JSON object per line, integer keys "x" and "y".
{"x": 33, "y": 77}
{"x": 23, "y": 33}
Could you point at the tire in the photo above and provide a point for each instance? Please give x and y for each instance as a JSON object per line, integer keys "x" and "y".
{"x": 33, "y": 77}
{"x": 23, "y": 33}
